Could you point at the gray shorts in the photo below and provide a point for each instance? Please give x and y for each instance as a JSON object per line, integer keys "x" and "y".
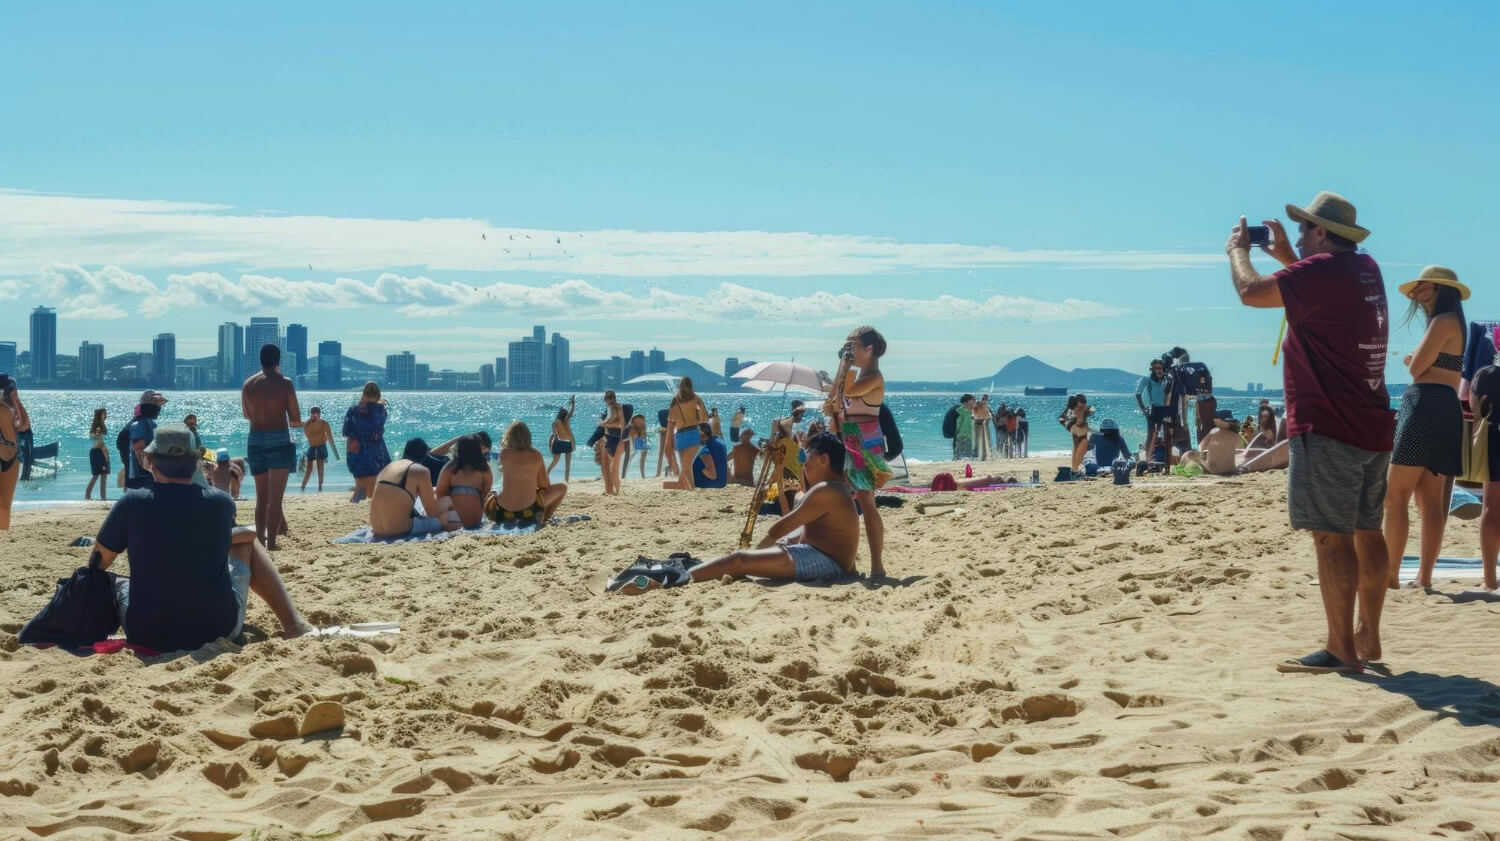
{"x": 1335, "y": 487}
{"x": 239, "y": 576}
{"x": 813, "y": 564}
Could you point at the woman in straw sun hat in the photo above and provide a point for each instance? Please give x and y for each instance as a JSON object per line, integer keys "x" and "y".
{"x": 1429, "y": 429}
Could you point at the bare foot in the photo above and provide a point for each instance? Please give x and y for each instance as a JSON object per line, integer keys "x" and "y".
{"x": 1367, "y": 645}
{"x": 299, "y": 629}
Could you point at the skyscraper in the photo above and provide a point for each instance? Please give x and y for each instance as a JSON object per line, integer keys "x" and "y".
{"x": 330, "y": 364}
{"x": 231, "y": 367}
{"x": 422, "y": 376}
{"x": 559, "y": 362}
{"x": 731, "y": 367}
{"x": 263, "y": 330}
{"x": 8, "y": 358}
{"x": 487, "y": 376}
{"x": 526, "y": 369}
{"x": 164, "y": 360}
{"x": 43, "y": 345}
{"x": 501, "y": 380}
{"x": 539, "y": 334}
{"x": 296, "y": 342}
{"x": 637, "y": 365}
{"x": 657, "y": 363}
{"x": 90, "y": 364}
{"x": 401, "y": 370}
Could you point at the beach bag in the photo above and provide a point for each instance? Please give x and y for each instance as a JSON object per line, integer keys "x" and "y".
{"x": 82, "y": 611}
{"x": 1476, "y": 450}
{"x": 944, "y": 482}
{"x": 892, "y": 434}
{"x": 950, "y": 423}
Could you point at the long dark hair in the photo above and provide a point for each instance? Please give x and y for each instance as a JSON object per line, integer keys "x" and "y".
{"x": 468, "y": 454}
{"x": 1445, "y": 301}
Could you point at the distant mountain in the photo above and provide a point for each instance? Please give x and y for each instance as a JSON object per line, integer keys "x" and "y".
{"x": 1030, "y": 371}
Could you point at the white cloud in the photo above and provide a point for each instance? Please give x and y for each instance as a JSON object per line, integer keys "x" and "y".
{"x": 45, "y": 229}
{"x": 105, "y": 293}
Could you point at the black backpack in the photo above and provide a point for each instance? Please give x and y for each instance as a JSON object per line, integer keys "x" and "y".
{"x": 1193, "y": 379}
{"x": 82, "y": 611}
{"x": 891, "y": 433}
{"x": 122, "y": 442}
{"x": 950, "y": 423}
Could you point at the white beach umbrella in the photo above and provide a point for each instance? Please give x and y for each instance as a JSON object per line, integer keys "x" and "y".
{"x": 786, "y": 375}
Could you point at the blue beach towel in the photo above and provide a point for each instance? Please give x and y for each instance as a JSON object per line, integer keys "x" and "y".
{"x": 365, "y": 534}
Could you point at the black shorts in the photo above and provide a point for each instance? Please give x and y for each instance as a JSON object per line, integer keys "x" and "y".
{"x": 562, "y": 447}
{"x": 98, "y": 463}
{"x": 1163, "y": 414}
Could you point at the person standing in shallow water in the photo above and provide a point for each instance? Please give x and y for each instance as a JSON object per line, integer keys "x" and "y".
{"x": 269, "y": 402}
{"x": 1338, "y": 412}
{"x": 98, "y": 456}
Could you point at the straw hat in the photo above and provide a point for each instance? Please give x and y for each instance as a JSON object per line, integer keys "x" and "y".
{"x": 1442, "y": 276}
{"x": 1330, "y": 211}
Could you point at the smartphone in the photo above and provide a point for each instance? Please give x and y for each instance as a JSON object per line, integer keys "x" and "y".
{"x": 1259, "y": 235}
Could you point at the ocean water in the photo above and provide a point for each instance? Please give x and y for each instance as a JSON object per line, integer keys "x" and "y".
{"x": 64, "y": 416}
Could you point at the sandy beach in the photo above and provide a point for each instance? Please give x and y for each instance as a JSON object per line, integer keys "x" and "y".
{"x": 1072, "y": 661}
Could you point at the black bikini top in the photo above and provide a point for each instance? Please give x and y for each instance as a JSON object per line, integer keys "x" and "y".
{"x": 1449, "y": 361}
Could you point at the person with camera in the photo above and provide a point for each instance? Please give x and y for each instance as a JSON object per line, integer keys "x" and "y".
{"x": 1338, "y": 412}
{"x": 1158, "y": 411}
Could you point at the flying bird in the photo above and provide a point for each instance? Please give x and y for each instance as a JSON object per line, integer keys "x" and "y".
{"x": 559, "y": 240}
{"x": 482, "y": 236}
{"x": 309, "y": 267}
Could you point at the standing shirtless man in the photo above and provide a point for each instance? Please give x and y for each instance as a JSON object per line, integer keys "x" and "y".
{"x": 319, "y": 438}
{"x": 269, "y": 402}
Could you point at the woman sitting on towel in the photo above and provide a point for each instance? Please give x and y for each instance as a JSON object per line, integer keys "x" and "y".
{"x": 393, "y": 504}
{"x": 465, "y": 481}
{"x": 526, "y": 496}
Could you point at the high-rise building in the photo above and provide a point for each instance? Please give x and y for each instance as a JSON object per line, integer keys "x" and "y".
{"x": 8, "y": 358}
{"x": 296, "y": 342}
{"x": 191, "y": 377}
{"x": 330, "y": 364}
{"x": 731, "y": 367}
{"x": 43, "y": 345}
{"x": 231, "y": 366}
{"x": 526, "y": 369}
{"x": 657, "y": 363}
{"x": 500, "y": 378}
{"x": 289, "y": 363}
{"x": 539, "y": 334}
{"x": 636, "y": 366}
{"x": 90, "y": 364}
{"x": 559, "y": 361}
{"x": 615, "y": 373}
{"x": 592, "y": 378}
{"x": 164, "y": 360}
{"x": 263, "y": 330}
{"x": 487, "y": 376}
{"x": 401, "y": 370}
{"x": 422, "y": 376}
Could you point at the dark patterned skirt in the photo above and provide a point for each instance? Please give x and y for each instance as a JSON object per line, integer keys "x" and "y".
{"x": 1430, "y": 429}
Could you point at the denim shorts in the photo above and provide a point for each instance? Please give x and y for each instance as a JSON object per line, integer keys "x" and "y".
{"x": 239, "y": 576}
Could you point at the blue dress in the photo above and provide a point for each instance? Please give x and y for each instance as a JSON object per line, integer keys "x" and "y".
{"x": 365, "y": 423}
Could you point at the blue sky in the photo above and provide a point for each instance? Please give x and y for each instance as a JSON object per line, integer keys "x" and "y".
{"x": 978, "y": 180}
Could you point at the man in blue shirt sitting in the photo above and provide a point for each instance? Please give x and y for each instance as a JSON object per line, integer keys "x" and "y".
{"x": 191, "y": 568}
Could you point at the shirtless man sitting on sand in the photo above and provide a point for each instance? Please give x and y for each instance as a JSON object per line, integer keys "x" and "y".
{"x": 526, "y": 495}
{"x": 825, "y": 516}
{"x": 269, "y": 401}
{"x": 319, "y": 438}
{"x": 225, "y": 473}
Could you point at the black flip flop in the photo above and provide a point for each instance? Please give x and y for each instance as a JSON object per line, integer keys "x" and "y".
{"x": 1319, "y": 662}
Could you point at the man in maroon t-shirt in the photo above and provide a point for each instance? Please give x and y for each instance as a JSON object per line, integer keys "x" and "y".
{"x": 1338, "y": 414}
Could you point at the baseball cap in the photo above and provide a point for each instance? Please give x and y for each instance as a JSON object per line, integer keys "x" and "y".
{"x": 172, "y": 440}
{"x": 153, "y": 397}
{"x": 221, "y": 456}
{"x": 1109, "y": 425}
